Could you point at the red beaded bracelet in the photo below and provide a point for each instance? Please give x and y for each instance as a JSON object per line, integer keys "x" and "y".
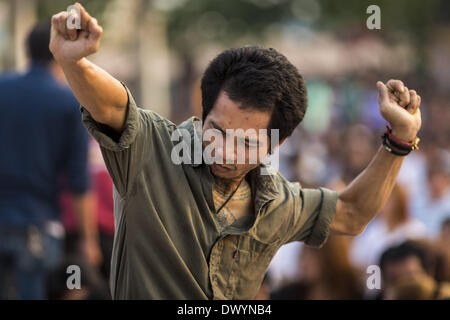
{"x": 400, "y": 143}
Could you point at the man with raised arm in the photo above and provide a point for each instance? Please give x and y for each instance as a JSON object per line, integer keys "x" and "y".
{"x": 209, "y": 230}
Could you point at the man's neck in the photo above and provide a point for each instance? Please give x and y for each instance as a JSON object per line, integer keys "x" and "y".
{"x": 227, "y": 185}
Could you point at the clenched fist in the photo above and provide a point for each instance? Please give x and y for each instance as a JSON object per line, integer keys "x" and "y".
{"x": 69, "y": 44}
{"x": 400, "y": 107}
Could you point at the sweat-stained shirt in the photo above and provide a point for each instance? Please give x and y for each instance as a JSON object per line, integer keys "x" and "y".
{"x": 168, "y": 241}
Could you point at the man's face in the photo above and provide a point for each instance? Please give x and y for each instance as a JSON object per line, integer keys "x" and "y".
{"x": 227, "y": 116}
{"x": 399, "y": 270}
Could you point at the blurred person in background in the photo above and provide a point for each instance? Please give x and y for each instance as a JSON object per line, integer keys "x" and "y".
{"x": 433, "y": 205}
{"x": 443, "y": 241}
{"x": 102, "y": 189}
{"x": 325, "y": 273}
{"x": 438, "y": 114}
{"x": 411, "y": 265}
{"x": 103, "y": 210}
{"x": 440, "y": 264}
{"x": 356, "y": 151}
{"x": 420, "y": 287}
{"x": 43, "y": 147}
{"x": 393, "y": 226}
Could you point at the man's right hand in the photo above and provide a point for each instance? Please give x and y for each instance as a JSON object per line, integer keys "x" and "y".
{"x": 69, "y": 44}
{"x": 97, "y": 91}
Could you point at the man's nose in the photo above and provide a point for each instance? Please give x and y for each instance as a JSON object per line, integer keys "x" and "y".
{"x": 228, "y": 152}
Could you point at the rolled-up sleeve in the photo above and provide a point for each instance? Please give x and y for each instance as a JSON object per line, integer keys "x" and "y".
{"x": 105, "y": 136}
{"x": 125, "y": 153}
{"x": 317, "y": 211}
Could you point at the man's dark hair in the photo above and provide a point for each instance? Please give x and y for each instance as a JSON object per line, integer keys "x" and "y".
{"x": 258, "y": 78}
{"x": 37, "y": 43}
{"x": 406, "y": 250}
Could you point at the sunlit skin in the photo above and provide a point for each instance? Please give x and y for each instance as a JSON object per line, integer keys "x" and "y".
{"x": 228, "y": 114}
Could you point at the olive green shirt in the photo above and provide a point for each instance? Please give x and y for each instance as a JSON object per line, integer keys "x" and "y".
{"x": 168, "y": 241}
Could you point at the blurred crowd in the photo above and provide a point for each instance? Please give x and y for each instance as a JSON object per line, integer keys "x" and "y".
{"x": 66, "y": 193}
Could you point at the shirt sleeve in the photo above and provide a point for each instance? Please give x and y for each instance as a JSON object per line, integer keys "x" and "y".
{"x": 317, "y": 210}
{"x": 126, "y": 153}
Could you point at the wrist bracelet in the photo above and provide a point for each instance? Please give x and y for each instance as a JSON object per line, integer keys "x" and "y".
{"x": 400, "y": 144}
{"x": 394, "y": 152}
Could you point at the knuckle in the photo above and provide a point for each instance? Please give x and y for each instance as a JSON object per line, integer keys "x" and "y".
{"x": 57, "y": 19}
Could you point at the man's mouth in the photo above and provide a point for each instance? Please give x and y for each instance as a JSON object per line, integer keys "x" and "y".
{"x": 221, "y": 168}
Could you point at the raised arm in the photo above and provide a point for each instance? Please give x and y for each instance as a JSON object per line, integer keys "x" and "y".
{"x": 367, "y": 194}
{"x": 100, "y": 93}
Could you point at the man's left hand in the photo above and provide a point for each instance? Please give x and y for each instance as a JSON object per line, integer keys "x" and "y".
{"x": 400, "y": 107}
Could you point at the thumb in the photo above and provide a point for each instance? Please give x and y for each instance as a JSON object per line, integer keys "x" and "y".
{"x": 383, "y": 92}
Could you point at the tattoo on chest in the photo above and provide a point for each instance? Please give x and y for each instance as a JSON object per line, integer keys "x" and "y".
{"x": 237, "y": 206}
{"x": 226, "y": 217}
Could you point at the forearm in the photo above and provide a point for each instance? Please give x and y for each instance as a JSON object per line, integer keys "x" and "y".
{"x": 100, "y": 93}
{"x": 87, "y": 220}
{"x": 363, "y": 199}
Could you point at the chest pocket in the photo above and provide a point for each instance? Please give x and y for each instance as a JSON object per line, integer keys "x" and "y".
{"x": 253, "y": 258}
